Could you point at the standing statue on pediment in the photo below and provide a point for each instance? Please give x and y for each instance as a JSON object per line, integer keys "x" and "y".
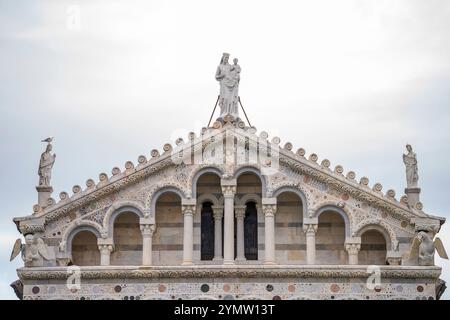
{"x": 410, "y": 161}
{"x": 46, "y": 164}
{"x": 229, "y": 78}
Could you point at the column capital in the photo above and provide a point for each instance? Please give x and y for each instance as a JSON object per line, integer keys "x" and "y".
{"x": 228, "y": 187}
{"x": 147, "y": 229}
{"x": 239, "y": 211}
{"x": 310, "y": 228}
{"x": 269, "y": 206}
{"x": 188, "y": 206}
{"x": 352, "y": 248}
{"x": 107, "y": 248}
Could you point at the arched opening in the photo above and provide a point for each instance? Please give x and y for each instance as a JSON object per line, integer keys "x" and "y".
{"x": 250, "y": 183}
{"x": 207, "y": 232}
{"x": 127, "y": 240}
{"x": 290, "y": 246}
{"x": 208, "y": 191}
{"x": 85, "y": 249}
{"x": 330, "y": 239}
{"x": 373, "y": 248}
{"x": 167, "y": 245}
{"x": 251, "y": 231}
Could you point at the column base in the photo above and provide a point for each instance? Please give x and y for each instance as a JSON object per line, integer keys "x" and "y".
{"x": 217, "y": 259}
{"x": 240, "y": 259}
{"x": 228, "y": 262}
{"x": 270, "y": 262}
{"x": 187, "y": 263}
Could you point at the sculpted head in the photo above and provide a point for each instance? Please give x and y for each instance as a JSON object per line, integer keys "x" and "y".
{"x": 408, "y": 147}
{"x": 29, "y": 238}
{"x": 235, "y": 60}
{"x": 49, "y": 148}
{"x": 225, "y": 58}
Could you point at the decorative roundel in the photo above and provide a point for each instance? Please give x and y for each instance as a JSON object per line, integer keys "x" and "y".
{"x": 63, "y": 195}
{"x": 115, "y": 171}
{"x": 351, "y": 175}
{"x": 51, "y": 201}
{"x": 129, "y": 165}
{"x": 419, "y": 205}
{"x": 76, "y": 189}
{"x": 252, "y": 130}
{"x": 301, "y": 152}
{"x": 90, "y": 183}
{"x": 276, "y": 140}
{"x": 204, "y": 288}
{"x": 263, "y": 135}
{"x": 154, "y": 153}
{"x": 313, "y": 157}
{"x": 36, "y": 208}
{"x": 339, "y": 169}
{"x": 228, "y": 118}
{"x": 364, "y": 181}
{"x": 142, "y": 159}
{"x": 269, "y": 287}
{"x": 377, "y": 187}
{"x": 404, "y": 199}
{"x": 217, "y": 125}
{"x": 103, "y": 176}
{"x": 241, "y": 124}
{"x": 390, "y": 193}
{"x": 167, "y": 147}
{"x": 191, "y": 136}
{"x": 179, "y": 141}
{"x": 288, "y": 146}
{"x": 325, "y": 163}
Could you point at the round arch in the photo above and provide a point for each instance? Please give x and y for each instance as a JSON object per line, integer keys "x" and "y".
{"x": 249, "y": 197}
{"x": 160, "y": 192}
{"x": 77, "y": 229}
{"x": 257, "y": 172}
{"x": 296, "y": 191}
{"x": 113, "y": 213}
{"x": 199, "y": 173}
{"x": 339, "y": 211}
{"x": 377, "y": 227}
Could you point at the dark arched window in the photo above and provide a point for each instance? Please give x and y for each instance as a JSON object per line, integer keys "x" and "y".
{"x": 207, "y": 232}
{"x": 251, "y": 232}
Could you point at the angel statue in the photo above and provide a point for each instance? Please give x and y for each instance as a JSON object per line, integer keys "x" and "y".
{"x": 34, "y": 251}
{"x": 46, "y": 164}
{"x": 423, "y": 248}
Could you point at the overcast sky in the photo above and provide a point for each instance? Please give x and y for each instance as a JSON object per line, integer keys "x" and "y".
{"x": 352, "y": 81}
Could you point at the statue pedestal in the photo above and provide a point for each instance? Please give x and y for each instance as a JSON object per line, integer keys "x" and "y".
{"x": 413, "y": 196}
{"x": 44, "y": 193}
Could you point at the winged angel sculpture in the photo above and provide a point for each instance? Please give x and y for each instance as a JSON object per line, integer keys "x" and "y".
{"x": 423, "y": 248}
{"x": 34, "y": 251}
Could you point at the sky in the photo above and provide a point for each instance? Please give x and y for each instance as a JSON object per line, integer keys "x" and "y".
{"x": 352, "y": 81}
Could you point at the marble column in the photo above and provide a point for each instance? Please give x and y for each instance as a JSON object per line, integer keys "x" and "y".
{"x": 147, "y": 231}
{"x": 269, "y": 207}
{"x": 228, "y": 190}
{"x": 240, "y": 248}
{"x": 105, "y": 246}
{"x": 310, "y": 229}
{"x": 352, "y": 246}
{"x": 218, "y": 216}
{"x": 188, "y": 210}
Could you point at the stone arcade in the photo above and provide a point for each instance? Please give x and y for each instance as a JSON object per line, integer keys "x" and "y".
{"x": 229, "y": 214}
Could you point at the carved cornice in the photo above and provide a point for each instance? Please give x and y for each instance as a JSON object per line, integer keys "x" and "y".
{"x": 393, "y": 272}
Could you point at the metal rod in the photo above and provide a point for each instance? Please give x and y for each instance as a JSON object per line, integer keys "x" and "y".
{"x": 245, "y": 113}
{"x": 213, "y": 111}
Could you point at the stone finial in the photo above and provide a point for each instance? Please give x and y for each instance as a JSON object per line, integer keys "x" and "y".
{"x": 313, "y": 157}
{"x": 288, "y": 146}
{"x": 154, "y": 153}
{"x": 115, "y": 171}
{"x": 339, "y": 169}
{"x": 129, "y": 165}
{"x": 325, "y": 163}
{"x": 142, "y": 159}
{"x": 301, "y": 152}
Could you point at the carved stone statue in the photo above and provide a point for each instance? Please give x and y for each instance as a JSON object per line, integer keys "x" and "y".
{"x": 423, "y": 248}
{"x": 410, "y": 161}
{"x": 34, "y": 251}
{"x": 46, "y": 164}
{"x": 228, "y": 77}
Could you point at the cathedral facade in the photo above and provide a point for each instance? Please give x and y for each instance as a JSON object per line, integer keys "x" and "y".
{"x": 228, "y": 213}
